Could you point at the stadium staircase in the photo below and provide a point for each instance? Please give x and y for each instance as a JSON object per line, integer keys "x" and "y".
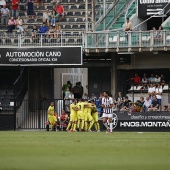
{"x": 115, "y": 16}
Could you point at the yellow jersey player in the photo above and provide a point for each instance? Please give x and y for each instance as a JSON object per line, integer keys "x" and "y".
{"x": 80, "y": 114}
{"x": 88, "y": 117}
{"x": 73, "y": 116}
{"x": 95, "y": 117}
{"x": 51, "y": 117}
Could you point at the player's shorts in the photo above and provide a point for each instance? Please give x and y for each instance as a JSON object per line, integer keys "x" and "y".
{"x": 80, "y": 115}
{"x": 95, "y": 116}
{"x": 89, "y": 117}
{"x": 52, "y": 119}
{"x": 73, "y": 117}
{"x": 107, "y": 115}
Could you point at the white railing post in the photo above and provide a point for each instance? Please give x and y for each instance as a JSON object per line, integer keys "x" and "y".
{"x": 41, "y": 40}
{"x": 107, "y": 40}
{"x": 61, "y": 38}
{"x": 19, "y": 40}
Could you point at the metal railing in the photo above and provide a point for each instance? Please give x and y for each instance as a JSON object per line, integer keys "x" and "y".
{"x": 40, "y": 40}
{"x": 131, "y": 39}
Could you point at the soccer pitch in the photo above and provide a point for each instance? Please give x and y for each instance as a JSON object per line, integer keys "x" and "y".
{"x": 43, "y": 150}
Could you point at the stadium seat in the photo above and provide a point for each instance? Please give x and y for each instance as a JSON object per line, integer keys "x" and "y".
{"x": 69, "y": 13}
{"x": 31, "y": 21}
{"x": 72, "y": 7}
{"x": 8, "y": 41}
{"x": 75, "y": 27}
{"x": 79, "y": 19}
{"x": 70, "y": 40}
{"x": 81, "y": 7}
{"x": 39, "y": 20}
{"x": 82, "y": 27}
{"x": 40, "y": 14}
{"x": 50, "y": 7}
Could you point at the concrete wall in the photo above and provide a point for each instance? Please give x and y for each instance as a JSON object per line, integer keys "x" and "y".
{"x": 58, "y": 79}
{"x": 148, "y": 61}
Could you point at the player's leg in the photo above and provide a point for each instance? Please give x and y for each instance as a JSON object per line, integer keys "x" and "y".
{"x": 70, "y": 123}
{"x": 110, "y": 116}
{"x": 75, "y": 124}
{"x": 105, "y": 116}
{"x": 91, "y": 122}
{"x": 85, "y": 122}
{"x": 82, "y": 122}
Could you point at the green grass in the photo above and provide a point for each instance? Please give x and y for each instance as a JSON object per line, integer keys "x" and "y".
{"x": 84, "y": 151}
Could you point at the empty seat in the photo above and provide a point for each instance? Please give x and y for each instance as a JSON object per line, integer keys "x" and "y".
{"x": 1, "y": 42}
{"x": 30, "y": 27}
{"x": 75, "y": 27}
{"x": 54, "y": 41}
{"x": 79, "y": 19}
{"x": 31, "y": 21}
{"x": 71, "y": 40}
{"x": 70, "y": 19}
{"x": 81, "y": 7}
{"x": 67, "y": 26}
{"x": 50, "y": 7}
{"x": 40, "y": 14}
{"x": 22, "y": 14}
{"x": 41, "y": 8}
{"x": 82, "y": 27}
{"x": 77, "y": 13}
{"x": 70, "y": 13}
{"x": 40, "y": 20}
{"x": 27, "y": 41}
{"x": 80, "y": 1}
{"x": 79, "y": 41}
{"x": 16, "y": 41}
{"x": 73, "y": 7}
{"x": 8, "y": 41}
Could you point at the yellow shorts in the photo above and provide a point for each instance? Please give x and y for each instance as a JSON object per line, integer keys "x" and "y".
{"x": 73, "y": 117}
{"x": 52, "y": 119}
{"x": 95, "y": 116}
{"x": 80, "y": 115}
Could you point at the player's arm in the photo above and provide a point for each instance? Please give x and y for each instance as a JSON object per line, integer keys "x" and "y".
{"x": 75, "y": 108}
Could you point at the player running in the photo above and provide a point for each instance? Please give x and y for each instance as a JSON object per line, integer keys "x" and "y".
{"x": 107, "y": 104}
{"x": 73, "y": 117}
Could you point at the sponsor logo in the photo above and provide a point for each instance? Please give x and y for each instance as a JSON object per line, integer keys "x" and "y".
{"x": 114, "y": 121}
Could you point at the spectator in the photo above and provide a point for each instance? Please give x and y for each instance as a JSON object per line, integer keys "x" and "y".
{"x": 119, "y": 100}
{"x": 43, "y": 28}
{"x": 154, "y": 105}
{"x": 71, "y": 97}
{"x": 159, "y": 32}
{"x": 144, "y": 79}
{"x": 60, "y": 11}
{"x": 85, "y": 96}
{"x": 67, "y": 93}
{"x": 93, "y": 97}
{"x": 4, "y": 15}
{"x": 53, "y": 18}
{"x": 158, "y": 92}
{"x": 151, "y": 79}
{"x": 126, "y": 104}
{"x": 147, "y": 104}
{"x": 157, "y": 79}
{"x": 136, "y": 79}
{"x": 128, "y": 25}
{"x": 154, "y": 32}
{"x": 34, "y": 33}
{"x": 82, "y": 89}
{"x": 15, "y": 4}
{"x": 57, "y": 30}
{"x": 30, "y": 9}
{"x": 65, "y": 86}
{"x": 77, "y": 91}
{"x": 50, "y": 32}
{"x": 47, "y": 17}
{"x": 167, "y": 108}
{"x": 162, "y": 78}
{"x": 19, "y": 23}
{"x": 40, "y": 2}
{"x": 11, "y": 24}
{"x": 63, "y": 120}
{"x": 151, "y": 90}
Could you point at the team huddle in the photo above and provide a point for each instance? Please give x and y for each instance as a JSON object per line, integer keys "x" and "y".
{"x": 83, "y": 115}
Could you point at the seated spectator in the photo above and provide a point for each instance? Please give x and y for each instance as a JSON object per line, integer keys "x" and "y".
{"x": 11, "y": 24}
{"x": 50, "y": 32}
{"x": 53, "y": 18}
{"x": 43, "y": 28}
{"x": 154, "y": 105}
{"x": 147, "y": 104}
{"x": 67, "y": 93}
{"x": 57, "y": 30}
{"x": 151, "y": 79}
{"x": 85, "y": 96}
{"x": 136, "y": 79}
{"x": 167, "y": 108}
{"x": 47, "y": 17}
{"x": 30, "y": 9}
{"x": 60, "y": 11}
{"x": 15, "y": 4}
{"x": 144, "y": 79}
{"x": 4, "y": 15}
{"x": 40, "y": 2}
{"x": 34, "y": 33}
{"x": 138, "y": 107}
{"x": 126, "y": 104}
{"x": 63, "y": 120}
{"x": 151, "y": 90}
{"x": 157, "y": 79}
{"x": 19, "y": 23}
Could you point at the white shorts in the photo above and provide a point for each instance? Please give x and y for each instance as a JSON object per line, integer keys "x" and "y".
{"x": 108, "y": 115}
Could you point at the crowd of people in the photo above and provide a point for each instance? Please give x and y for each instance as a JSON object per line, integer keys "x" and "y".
{"x": 50, "y": 27}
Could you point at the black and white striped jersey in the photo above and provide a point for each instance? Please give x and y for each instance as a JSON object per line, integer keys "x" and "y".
{"x": 107, "y": 102}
